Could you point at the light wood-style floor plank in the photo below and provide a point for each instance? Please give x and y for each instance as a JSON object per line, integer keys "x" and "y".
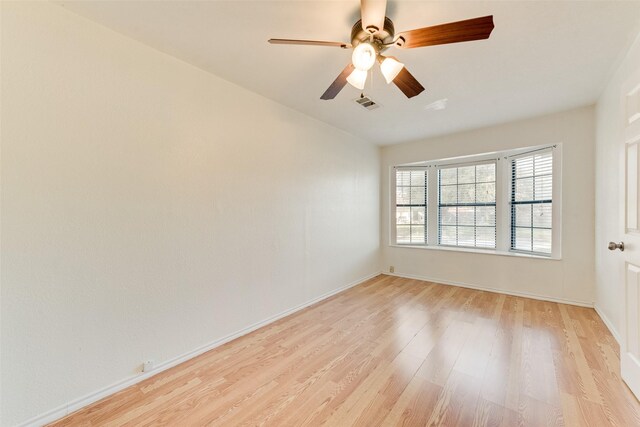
{"x": 394, "y": 352}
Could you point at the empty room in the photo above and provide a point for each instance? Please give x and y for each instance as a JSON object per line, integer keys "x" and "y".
{"x": 319, "y": 213}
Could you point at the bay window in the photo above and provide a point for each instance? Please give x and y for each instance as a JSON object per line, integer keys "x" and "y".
{"x": 504, "y": 202}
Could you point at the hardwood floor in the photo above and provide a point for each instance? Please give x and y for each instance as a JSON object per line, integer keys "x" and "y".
{"x": 392, "y": 352}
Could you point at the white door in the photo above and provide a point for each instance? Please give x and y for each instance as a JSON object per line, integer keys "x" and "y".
{"x": 630, "y": 349}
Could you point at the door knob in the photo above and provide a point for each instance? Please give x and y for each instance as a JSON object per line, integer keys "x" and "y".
{"x": 613, "y": 246}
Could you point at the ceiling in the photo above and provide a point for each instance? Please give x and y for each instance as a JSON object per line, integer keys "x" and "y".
{"x": 542, "y": 56}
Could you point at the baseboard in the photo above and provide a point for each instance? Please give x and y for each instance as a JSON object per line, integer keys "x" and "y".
{"x": 90, "y": 398}
{"x": 495, "y": 290}
{"x": 608, "y": 324}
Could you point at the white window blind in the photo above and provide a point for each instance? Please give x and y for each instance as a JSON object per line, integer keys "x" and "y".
{"x": 411, "y": 206}
{"x": 531, "y": 202}
{"x": 467, "y": 205}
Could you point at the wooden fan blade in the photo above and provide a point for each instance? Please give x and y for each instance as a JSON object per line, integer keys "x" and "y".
{"x": 310, "y": 43}
{"x": 453, "y": 32}
{"x": 338, "y": 83}
{"x": 407, "y": 83}
{"x": 373, "y": 13}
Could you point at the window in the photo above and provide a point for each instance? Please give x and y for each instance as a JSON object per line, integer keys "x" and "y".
{"x": 467, "y": 206}
{"x": 532, "y": 202}
{"x": 411, "y": 206}
{"x": 506, "y": 202}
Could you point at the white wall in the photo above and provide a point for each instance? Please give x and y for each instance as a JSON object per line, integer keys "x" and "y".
{"x": 610, "y": 193}
{"x": 568, "y": 279}
{"x": 149, "y": 208}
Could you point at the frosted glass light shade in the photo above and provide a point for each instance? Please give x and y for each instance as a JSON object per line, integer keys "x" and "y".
{"x": 390, "y": 68}
{"x": 364, "y": 56}
{"x": 357, "y": 78}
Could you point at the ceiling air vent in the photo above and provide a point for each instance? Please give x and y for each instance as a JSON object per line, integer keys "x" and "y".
{"x": 367, "y": 102}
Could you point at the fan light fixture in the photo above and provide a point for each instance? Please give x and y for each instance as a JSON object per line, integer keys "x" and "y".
{"x": 390, "y": 68}
{"x": 357, "y": 78}
{"x": 375, "y": 33}
{"x": 364, "y": 56}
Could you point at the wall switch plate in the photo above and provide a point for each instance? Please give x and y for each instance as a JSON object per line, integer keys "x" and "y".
{"x": 147, "y": 366}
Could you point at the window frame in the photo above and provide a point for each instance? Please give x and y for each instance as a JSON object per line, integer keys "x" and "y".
{"x": 503, "y": 201}
{"x": 439, "y": 205}
{"x": 512, "y": 226}
{"x": 426, "y": 204}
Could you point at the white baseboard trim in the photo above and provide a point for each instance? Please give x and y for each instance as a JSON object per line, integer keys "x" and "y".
{"x": 495, "y": 290}
{"x": 608, "y": 324}
{"x": 90, "y": 398}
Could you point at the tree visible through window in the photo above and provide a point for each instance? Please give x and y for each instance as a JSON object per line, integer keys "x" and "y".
{"x": 501, "y": 202}
{"x": 467, "y": 206}
{"x": 411, "y": 206}
{"x": 531, "y": 203}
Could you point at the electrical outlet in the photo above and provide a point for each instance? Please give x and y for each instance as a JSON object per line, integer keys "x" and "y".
{"x": 392, "y": 269}
{"x": 147, "y": 366}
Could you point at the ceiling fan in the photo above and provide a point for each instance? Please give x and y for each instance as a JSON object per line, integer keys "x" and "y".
{"x": 375, "y": 33}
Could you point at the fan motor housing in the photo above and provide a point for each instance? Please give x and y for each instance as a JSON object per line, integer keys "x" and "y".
{"x": 380, "y": 38}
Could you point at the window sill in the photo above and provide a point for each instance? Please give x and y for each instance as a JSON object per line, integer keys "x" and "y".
{"x": 477, "y": 251}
